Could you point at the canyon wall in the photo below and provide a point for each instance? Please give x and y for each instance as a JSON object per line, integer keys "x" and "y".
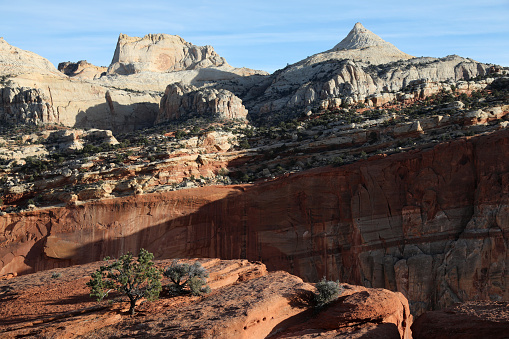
{"x": 432, "y": 224}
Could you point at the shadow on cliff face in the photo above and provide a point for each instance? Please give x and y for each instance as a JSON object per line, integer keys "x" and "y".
{"x": 247, "y": 88}
{"x": 431, "y": 224}
{"x": 117, "y": 117}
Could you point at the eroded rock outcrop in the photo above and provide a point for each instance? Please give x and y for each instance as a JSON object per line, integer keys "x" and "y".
{"x": 160, "y": 53}
{"x": 362, "y": 68}
{"x": 183, "y": 101}
{"x": 23, "y": 105}
{"x": 34, "y": 92}
{"x": 84, "y": 98}
{"x": 81, "y": 69}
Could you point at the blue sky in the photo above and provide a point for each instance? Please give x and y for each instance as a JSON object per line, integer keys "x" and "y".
{"x": 258, "y": 34}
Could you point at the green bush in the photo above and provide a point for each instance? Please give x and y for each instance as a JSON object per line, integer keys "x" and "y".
{"x": 194, "y": 276}
{"x": 326, "y": 291}
{"x": 135, "y": 278}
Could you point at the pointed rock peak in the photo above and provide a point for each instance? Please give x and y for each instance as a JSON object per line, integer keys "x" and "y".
{"x": 360, "y": 37}
{"x": 358, "y": 26}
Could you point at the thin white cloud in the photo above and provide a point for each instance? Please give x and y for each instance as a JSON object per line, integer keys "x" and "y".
{"x": 60, "y": 30}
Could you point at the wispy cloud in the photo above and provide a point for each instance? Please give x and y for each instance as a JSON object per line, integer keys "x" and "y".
{"x": 259, "y": 34}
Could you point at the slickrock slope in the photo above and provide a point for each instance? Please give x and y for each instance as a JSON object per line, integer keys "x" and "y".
{"x": 431, "y": 224}
{"x": 15, "y": 61}
{"x": 245, "y": 302}
{"x": 471, "y": 320}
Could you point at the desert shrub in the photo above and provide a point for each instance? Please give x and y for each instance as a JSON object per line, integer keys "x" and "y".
{"x": 326, "y": 291}
{"x": 194, "y": 276}
{"x": 244, "y": 144}
{"x": 134, "y": 277}
{"x": 223, "y": 171}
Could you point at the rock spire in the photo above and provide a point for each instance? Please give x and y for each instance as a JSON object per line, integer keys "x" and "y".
{"x": 360, "y": 37}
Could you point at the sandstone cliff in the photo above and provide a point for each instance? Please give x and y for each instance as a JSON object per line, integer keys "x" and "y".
{"x": 430, "y": 224}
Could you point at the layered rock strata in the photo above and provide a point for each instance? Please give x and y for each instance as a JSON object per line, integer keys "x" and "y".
{"x": 431, "y": 224}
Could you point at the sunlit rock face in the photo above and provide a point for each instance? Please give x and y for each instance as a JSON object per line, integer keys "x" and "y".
{"x": 160, "y": 53}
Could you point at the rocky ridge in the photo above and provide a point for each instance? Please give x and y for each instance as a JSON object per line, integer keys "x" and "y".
{"x": 87, "y": 98}
{"x": 311, "y": 85}
{"x": 362, "y": 68}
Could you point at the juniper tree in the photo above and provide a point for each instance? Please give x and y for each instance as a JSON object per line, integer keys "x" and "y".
{"x": 191, "y": 275}
{"x": 134, "y": 277}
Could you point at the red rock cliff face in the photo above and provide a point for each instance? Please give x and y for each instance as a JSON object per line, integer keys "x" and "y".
{"x": 432, "y": 224}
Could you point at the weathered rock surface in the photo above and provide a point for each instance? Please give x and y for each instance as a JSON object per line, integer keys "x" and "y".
{"x": 81, "y": 69}
{"x": 86, "y": 99}
{"x": 15, "y": 61}
{"x": 181, "y": 101}
{"x": 34, "y": 92}
{"x": 471, "y": 320}
{"x": 366, "y": 45}
{"x": 26, "y": 105}
{"x": 428, "y": 223}
{"x": 245, "y": 302}
{"x": 160, "y": 53}
{"x": 362, "y": 68}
